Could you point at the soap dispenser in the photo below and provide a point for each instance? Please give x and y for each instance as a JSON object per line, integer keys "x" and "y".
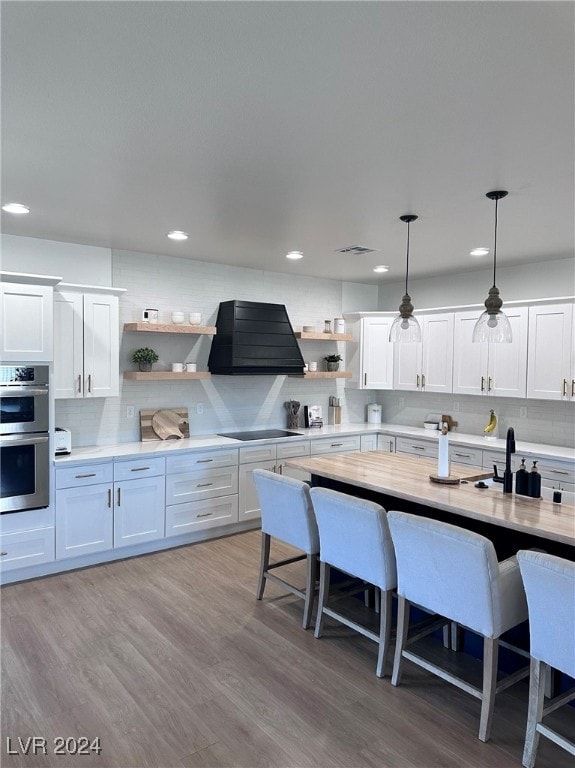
{"x": 522, "y": 480}
{"x": 534, "y": 482}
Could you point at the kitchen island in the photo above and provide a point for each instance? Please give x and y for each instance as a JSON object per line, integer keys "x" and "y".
{"x": 512, "y": 522}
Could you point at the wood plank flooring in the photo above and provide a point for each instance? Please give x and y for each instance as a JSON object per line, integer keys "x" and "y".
{"x": 170, "y": 661}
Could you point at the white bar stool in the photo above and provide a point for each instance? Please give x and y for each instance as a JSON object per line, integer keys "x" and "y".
{"x": 287, "y": 515}
{"x": 550, "y": 587}
{"x": 455, "y": 573}
{"x": 354, "y": 538}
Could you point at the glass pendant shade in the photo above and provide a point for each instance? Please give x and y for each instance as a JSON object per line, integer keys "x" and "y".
{"x": 405, "y": 327}
{"x": 493, "y": 325}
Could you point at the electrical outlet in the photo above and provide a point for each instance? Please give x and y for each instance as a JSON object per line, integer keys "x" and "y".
{"x": 523, "y": 412}
{"x": 401, "y": 402}
{"x": 199, "y": 408}
{"x": 456, "y": 406}
{"x": 130, "y": 412}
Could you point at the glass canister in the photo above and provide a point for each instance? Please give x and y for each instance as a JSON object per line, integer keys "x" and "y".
{"x": 327, "y": 326}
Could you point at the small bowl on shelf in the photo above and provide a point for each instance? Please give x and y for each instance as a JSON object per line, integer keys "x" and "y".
{"x": 178, "y": 318}
{"x": 195, "y": 318}
{"x": 308, "y": 328}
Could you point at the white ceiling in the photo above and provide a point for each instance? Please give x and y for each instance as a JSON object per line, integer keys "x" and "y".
{"x": 263, "y": 127}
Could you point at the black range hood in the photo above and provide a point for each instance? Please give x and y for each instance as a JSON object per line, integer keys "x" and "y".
{"x": 254, "y": 338}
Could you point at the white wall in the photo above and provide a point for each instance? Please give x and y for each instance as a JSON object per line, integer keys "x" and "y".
{"x": 229, "y": 402}
{"x": 83, "y": 264}
{"x": 532, "y": 281}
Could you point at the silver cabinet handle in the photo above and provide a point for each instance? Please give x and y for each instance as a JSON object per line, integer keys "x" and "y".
{"x": 336, "y": 445}
{"x": 463, "y": 455}
{"x": 417, "y": 384}
{"x": 483, "y": 383}
{"x": 203, "y": 485}
{"x": 79, "y": 383}
{"x": 3, "y": 554}
{"x": 558, "y": 472}
{"x": 109, "y": 498}
{"x": 564, "y": 387}
{"x": 365, "y": 379}
{"x": 139, "y": 469}
{"x": 205, "y": 514}
{"x": 391, "y": 446}
{"x": 118, "y": 497}
{"x": 418, "y": 447}
{"x": 489, "y": 381}
{"x": 422, "y": 381}
{"x": 572, "y": 387}
{"x": 203, "y": 461}
{"x": 90, "y": 383}
{"x": 87, "y": 474}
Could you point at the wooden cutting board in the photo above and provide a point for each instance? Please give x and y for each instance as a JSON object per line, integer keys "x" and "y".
{"x": 164, "y": 424}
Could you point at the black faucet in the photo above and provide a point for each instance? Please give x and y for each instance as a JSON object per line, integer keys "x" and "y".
{"x": 507, "y": 478}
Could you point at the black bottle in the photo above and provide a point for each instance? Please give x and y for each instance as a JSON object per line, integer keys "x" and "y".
{"x": 522, "y": 480}
{"x": 534, "y": 482}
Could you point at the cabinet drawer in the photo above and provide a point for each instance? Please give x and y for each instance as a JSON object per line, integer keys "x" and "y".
{"x": 335, "y": 444}
{"x": 498, "y": 458}
{"x": 131, "y": 470}
{"x": 199, "y": 515}
{"x": 464, "y": 455}
{"x": 291, "y": 449}
{"x": 416, "y": 447}
{"x": 257, "y": 453}
{"x": 557, "y": 471}
{"x": 19, "y": 550}
{"x": 86, "y": 474}
{"x": 203, "y": 484}
{"x": 200, "y": 459}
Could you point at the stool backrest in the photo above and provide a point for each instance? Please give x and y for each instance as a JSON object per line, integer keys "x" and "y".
{"x": 287, "y": 511}
{"x": 448, "y": 570}
{"x": 354, "y": 537}
{"x": 549, "y": 583}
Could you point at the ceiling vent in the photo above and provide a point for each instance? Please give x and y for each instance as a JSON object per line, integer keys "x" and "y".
{"x": 356, "y": 250}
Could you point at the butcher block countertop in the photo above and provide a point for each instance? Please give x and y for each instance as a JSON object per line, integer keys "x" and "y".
{"x": 408, "y": 478}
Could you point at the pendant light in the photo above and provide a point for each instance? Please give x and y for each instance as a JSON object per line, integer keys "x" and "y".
{"x": 493, "y": 325}
{"x": 405, "y": 327}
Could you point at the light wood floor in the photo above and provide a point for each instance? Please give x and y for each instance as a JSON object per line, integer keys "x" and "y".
{"x": 171, "y": 661}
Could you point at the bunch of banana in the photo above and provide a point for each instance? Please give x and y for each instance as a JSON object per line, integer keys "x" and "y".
{"x": 492, "y": 422}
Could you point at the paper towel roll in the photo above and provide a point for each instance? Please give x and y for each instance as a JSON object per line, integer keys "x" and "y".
{"x": 443, "y": 456}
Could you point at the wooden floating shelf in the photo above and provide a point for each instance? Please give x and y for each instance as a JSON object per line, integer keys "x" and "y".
{"x": 170, "y": 328}
{"x": 324, "y": 336}
{"x": 164, "y": 375}
{"x": 323, "y": 375}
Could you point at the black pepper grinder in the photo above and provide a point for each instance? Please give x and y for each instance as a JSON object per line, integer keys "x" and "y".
{"x": 534, "y": 482}
{"x": 522, "y": 480}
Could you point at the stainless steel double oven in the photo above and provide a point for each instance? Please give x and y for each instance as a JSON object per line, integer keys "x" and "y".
{"x": 24, "y": 437}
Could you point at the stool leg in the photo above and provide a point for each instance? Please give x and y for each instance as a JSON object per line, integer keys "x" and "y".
{"x": 264, "y": 563}
{"x": 490, "y": 658}
{"x": 400, "y": 638}
{"x": 311, "y": 576}
{"x": 537, "y": 675}
{"x": 324, "y": 572}
{"x": 384, "y": 629}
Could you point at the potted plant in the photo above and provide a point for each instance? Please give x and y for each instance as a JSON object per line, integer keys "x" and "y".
{"x": 145, "y": 358}
{"x": 333, "y": 362}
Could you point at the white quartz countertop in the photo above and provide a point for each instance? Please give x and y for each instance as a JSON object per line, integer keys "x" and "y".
{"x": 203, "y": 442}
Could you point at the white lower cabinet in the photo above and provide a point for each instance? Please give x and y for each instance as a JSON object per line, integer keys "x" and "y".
{"x": 139, "y": 510}
{"x": 368, "y": 442}
{"x": 338, "y": 444}
{"x": 200, "y": 515}
{"x": 84, "y": 520}
{"x": 386, "y": 443}
{"x": 416, "y": 447}
{"x": 249, "y": 503}
{"x": 462, "y": 455}
{"x": 24, "y": 548}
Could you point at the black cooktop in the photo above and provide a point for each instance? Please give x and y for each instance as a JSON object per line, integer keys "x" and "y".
{"x": 260, "y": 434}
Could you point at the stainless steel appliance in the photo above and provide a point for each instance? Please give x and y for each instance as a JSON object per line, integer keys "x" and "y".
{"x": 62, "y": 442}
{"x": 24, "y": 438}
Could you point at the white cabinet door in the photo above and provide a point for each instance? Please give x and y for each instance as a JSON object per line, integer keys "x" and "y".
{"x": 86, "y": 357}
{"x": 84, "y": 520}
{"x": 26, "y": 326}
{"x": 550, "y": 351}
{"x": 469, "y": 359}
{"x": 426, "y": 366}
{"x": 249, "y": 505}
{"x": 139, "y": 511}
{"x": 386, "y": 443}
{"x": 376, "y": 353}
{"x": 23, "y": 548}
{"x": 368, "y": 442}
{"x": 437, "y": 357}
{"x": 507, "y": 367}
{"x": 68, "y": 345}
{"x": 101, "y": 346}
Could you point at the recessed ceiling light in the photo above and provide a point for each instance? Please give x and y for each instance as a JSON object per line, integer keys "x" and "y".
{"x": 479, "y": 252}
{"x": 294, "y": 255}
{"x": 381, "y": 268}
{"x": 15, "y": 208}
{"x": 177, "y": 234}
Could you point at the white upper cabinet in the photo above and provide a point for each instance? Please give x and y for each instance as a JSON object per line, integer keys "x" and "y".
{"x": 86, "y": 339}
{"x": 369, "y": 357}
{"x": 426, "y": 366}
{"x": 551, "y": 374}
{"x": 26, "y": 329}
{"x": 490, "y": 369}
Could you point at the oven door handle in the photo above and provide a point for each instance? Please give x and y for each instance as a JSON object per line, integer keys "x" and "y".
{"x": 23, "y": 391}
{"x": 7, "y": 440}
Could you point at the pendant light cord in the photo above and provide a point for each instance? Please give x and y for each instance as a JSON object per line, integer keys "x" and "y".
{"x": 407, "y": 259}
{"x": 495, "y": 242}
